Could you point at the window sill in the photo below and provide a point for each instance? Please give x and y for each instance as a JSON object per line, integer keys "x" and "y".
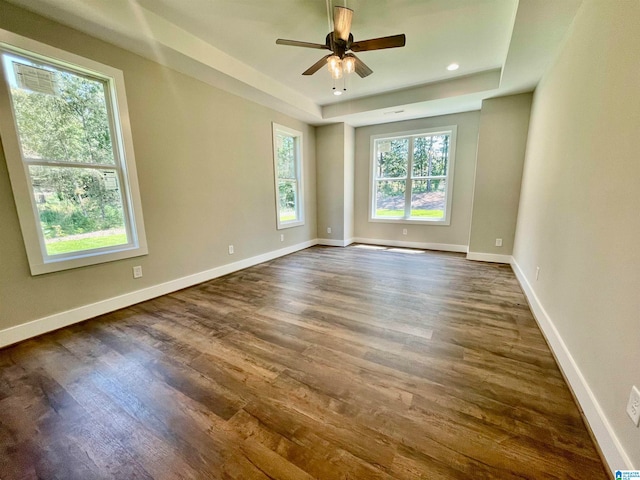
{"x": 282, "y": 226}
{"x": 86, "y": 260}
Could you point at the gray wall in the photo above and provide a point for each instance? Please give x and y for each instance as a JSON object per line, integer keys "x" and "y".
{"x": 349, "y": 181}
{"x": 579, "y": 217}
{"x": 455, "y": 234}
{"x": 204, "y": 160}
{"x": 504, "y": 124}
{"x": 330, "y": 170}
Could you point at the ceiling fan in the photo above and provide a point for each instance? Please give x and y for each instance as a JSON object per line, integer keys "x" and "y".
{"x": 340, "y": 43}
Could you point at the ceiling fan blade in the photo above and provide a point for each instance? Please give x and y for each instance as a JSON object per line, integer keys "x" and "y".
{"x": 295, "y": 43}
{"x": 361, "y": 69}
{"x": 393, "y": 41}
{"x": 316, "y": 66}
{"x": 342, "y": 17}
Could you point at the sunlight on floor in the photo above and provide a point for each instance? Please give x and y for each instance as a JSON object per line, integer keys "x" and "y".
{"x": 391, "y": 249}
{"x": 370, "y": 247}
{"x": 405, "y": 250}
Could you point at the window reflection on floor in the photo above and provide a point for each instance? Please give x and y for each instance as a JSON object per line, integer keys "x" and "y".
{"x": 391, "y": 249}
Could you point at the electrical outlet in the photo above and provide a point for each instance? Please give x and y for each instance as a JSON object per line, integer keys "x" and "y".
{"x": 137, "y": 271}
{"x": 404, "y": 231}
{"x": 498, "y": 242}
{"x": 282, "y": 237}
{"x": 231, "y": 251}
{"x": 633, "y": 407}
{"x": 537, "y": 272}
{"x": 328, "y": 229}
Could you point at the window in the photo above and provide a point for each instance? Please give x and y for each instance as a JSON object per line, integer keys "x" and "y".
{"x": 287, "y": 160}
{"x": 64, "y": 126}
{"x": 412, "y": 176}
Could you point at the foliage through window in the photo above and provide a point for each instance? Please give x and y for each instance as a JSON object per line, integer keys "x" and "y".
{"x": 287, "y": 154}
{"x": 69, "y": 142}
{"x": 412, "y": 175}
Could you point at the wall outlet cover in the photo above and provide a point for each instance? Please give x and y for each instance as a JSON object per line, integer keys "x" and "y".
{"x": 231, "y": 250}
{"x": 137, "y": 272}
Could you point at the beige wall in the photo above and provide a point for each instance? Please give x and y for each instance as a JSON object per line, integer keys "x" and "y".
{"x": 204, "y": 160}
{"x": 330, "y": 151}
{"x": 349, "y": 180}
{"x": 504, "y": 124}
{"x": 579, "y": 217}
{"x": 335, "y": 176}
{"x": 455, "y": 234}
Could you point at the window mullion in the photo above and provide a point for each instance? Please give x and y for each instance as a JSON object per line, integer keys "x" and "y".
{"x": 47, "y": 163}
{"x": 408, "y": 186}
{"x": 431, "y": 177}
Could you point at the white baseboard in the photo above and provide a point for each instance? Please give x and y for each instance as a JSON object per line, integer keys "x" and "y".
{"x": 31, "y": 329}
{"x": 611, "y": 447}
{"x": 335, "y": 243}
{"x": 445, "y": 247}
{"x": 489, "y": 257}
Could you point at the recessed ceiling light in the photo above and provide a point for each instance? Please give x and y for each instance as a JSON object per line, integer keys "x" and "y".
{"x": 453, "y": 66}
{"x": 337, "y": 92}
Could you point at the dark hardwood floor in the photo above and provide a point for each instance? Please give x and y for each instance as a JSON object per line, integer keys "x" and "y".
{"x": 331, "y": 363}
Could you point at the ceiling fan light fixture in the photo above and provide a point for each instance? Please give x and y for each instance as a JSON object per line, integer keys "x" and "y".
{"x": 337, "y": 72}
{"x": 334, "y": 63}
{"x": 349, "y": 64}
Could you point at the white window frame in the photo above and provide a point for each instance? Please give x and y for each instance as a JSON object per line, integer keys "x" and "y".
{"x": 446, "y": 220}
{"x": 39, "y": 261}
{"x": 297, "y": 135}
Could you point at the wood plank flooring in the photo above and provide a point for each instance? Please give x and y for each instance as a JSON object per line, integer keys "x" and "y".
{"x": 330, "y": 363}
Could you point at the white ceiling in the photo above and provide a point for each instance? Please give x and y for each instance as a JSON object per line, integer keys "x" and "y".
{"x": 474, "y": 33}
{"x": 502, "y": 46}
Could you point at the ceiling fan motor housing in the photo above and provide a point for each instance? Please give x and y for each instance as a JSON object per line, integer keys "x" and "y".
{"x": 337, "y": 45}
